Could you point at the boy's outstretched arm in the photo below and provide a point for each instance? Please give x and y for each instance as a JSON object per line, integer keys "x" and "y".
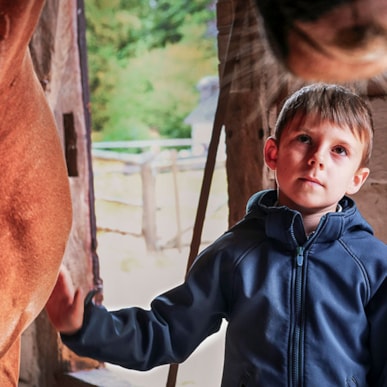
{"x": 65, "y": 307}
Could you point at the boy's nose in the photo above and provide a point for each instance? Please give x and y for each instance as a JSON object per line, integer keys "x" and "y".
{"x": 316, "y": 158}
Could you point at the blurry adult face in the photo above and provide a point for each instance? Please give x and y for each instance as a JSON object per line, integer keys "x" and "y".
{"x": 335, "y": 41}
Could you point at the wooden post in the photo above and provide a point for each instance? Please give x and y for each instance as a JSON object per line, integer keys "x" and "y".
{"x": 177, "y": 198}
{"x": 149, "y": 205}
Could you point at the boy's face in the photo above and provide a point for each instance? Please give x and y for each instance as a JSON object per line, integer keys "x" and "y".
{"x": 316, "y": 164}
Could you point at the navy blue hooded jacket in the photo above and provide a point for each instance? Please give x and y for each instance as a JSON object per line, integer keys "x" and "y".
{"x": 301, "y": 311}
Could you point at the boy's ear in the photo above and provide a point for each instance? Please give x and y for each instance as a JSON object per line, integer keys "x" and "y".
{"x": 358, "y": 180}
{"x": 270, "y": 153}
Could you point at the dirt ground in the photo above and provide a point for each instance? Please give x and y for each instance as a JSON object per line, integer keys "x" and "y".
{"x": 133, "y": 276}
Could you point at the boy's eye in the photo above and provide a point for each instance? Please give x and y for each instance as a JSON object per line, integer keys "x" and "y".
{"x": 340, "y": 150}
{"x": 304, "y": 138}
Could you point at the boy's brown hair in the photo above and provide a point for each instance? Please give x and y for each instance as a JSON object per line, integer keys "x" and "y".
{"x": 334, "y": 103}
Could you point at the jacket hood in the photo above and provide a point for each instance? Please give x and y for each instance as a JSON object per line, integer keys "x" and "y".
{"x": 332, "y": 226}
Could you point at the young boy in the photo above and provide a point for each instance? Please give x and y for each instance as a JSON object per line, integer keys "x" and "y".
{"x": 301, "y": 279}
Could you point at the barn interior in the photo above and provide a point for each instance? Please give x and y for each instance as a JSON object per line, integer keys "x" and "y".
{"x": 252, "y": 88}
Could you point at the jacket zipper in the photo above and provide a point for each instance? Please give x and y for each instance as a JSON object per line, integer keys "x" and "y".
{"x": 298, "y": 334}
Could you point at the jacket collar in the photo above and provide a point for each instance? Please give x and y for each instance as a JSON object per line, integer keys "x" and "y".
{"x": 286, "y": 225}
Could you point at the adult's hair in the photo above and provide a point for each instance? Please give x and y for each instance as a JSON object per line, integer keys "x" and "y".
{"x": 333, "y": 103}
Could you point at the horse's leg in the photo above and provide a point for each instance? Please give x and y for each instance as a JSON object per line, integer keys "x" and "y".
{"x": 9, "y": 366}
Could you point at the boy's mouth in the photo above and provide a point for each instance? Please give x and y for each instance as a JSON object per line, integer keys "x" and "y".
{"x": 311, "y": 179}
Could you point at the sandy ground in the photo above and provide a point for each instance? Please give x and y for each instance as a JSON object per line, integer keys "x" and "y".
{"x": 133, "y": 276}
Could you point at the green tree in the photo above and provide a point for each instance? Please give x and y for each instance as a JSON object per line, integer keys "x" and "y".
{"x": 145, "y": 59}
{"x": 168, "y": 18}
{"x": 157, "y": 91}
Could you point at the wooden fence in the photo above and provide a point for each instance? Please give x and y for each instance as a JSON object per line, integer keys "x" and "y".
{"x": 148, "y": 163}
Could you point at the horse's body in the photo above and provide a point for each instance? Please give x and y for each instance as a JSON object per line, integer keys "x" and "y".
{"x": 35, "y": 205}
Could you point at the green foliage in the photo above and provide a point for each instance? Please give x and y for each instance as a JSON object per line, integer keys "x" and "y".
{"x": 145, "y": 59}
{"x": 169, "y": 16}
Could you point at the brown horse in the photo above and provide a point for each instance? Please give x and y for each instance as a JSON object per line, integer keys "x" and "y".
{"x": 35, "y": 205}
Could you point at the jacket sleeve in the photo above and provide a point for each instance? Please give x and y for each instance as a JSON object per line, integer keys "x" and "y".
{"x": 177, "y": 322}
{"x": 377, "y": 317}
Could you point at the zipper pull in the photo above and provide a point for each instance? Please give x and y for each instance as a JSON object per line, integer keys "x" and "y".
{"x": 300, "y": 256}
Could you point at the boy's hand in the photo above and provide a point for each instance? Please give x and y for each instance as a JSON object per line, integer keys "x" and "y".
{"x": 65, "y": 307}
